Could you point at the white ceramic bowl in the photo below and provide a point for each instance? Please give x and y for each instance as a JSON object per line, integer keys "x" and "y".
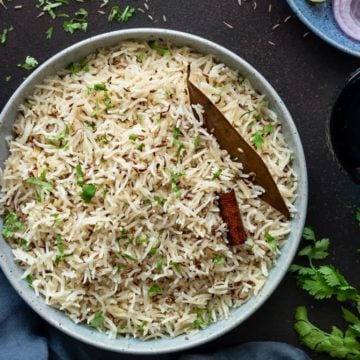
{"x": 86, "y": 334}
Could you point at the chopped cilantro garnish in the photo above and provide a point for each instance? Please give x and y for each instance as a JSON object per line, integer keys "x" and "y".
{"x": 160, "y": 200}
{"x": 154, "y": 290}
{"x": 180, "y": 147}
{"x": 103, "y": 139}
{"x": 128, "y": 256}
{"x": 141, "y": 325}
{"x": 97, "y": 320}
{"x": 198, "y": 324}
{"x": 100, "y": 87}
{"x": 49, "y": 32}
{"x": 271, "y": 241}
{"x": 197, "y": 141}
{"x": 29, "y": 64}
{"x": 154, "y": 249}
{"x": 174, "y": 181}
{"x": 141, "y": 147}
{"x": 59, "y": 140}
{"x": 30, "y": 279}
{"x": 176, "y": 133}
{"x": 50, "y": 7}
{"x": 127, "y": 14}
{"x": 4, "y": 34}
{"x": 176, "y": 266}
{"x": 140, "y": 57}
{"x": 218, "y": 259}
{"x": 90, "y": 125}
{"x": 11, "y": 224}
{"x": 258, "y": 137}
{"x": 76, "y": 67}
{"x": 72, "y": 25}
{"x": 142, "y": 240}
{"x": 79, "y": 175}
{"x": 133, "y": 137}
{"x": 24, "y": 245}
{"x": 216, "y": 174}
{"x": 60, "y": 246}
{"x": 81, "y": 14}
{"x": 88, "y": 192}
{"x": 159, "y": 264}
{"x": 41, "y": 182}
{"x": 160, "y": 50}
{"x": 116, "y": 14}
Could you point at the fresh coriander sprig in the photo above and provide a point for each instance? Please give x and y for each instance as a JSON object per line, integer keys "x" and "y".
{"x": 325, "y": 281}
{"x": 11, "y": 224}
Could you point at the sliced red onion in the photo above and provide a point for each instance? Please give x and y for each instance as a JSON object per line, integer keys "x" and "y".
{"x": 347, "y": 15}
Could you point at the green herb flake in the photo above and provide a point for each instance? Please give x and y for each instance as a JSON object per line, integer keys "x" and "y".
{"x": 133, "y": 137}
{"x": 128, "y": 256}
{"x": 59, "y": 140}
{"x": 159, "y": 264}
{"x": 154, "y": 250}
{"x": 127, "y": 13}
{"x": 29, "y": 64}
{"x": 218, "y": 259}
{"x": 198, "y": 324}
{"x": 88, "y": 192}
{"x": 140, "y": 57}
{"x": 97, "y": 320}
{"x": 258, "y": 137}
{"x": 60, "y": 247}
{"x": 216, "y": 174}
{"x": 271, "y": 241}
{"x": 174, "y": 181}
{"x": 79, "y": 175}
{"x": 8, "y": 78}
{"x": 116, "y": 14}
{"x": 4, "y": 34}
{"x": 11, "y": 224}
{"x": 176, "y": 266}
{"x": 357, "y": 215}
{"x": 49, "y": 32}
{"x": 160, "y": 200}
{"x": 90, "y": 125}
{"x": 141, "y": 147}
{"x": 154, "y": 290}
{"x": 142, "y": 325}
{"x": 100, "y": 87}
{"x": 176, "y": 133}
{"x": 162, "y": 51}
{"x": 76, "y": 67}
{"x": 41, "y": 182}
{"x": 197, "y": 142}
{"x": 30, "y": 279}
{"x": 73, "y": 25}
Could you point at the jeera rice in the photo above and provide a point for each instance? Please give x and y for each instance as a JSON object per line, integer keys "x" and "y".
{"x": 109, "y": 192}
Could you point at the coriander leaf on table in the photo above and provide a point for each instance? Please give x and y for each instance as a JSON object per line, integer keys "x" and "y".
{"x": 322, "y": 282}
{"x": 29, "y": 64}
{"x": 357, "y": 215}
{"x": 325, "y": 281}
{"x": 336, "y": 343}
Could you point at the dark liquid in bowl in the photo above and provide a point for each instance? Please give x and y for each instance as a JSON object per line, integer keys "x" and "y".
{"x": 345, "y": 127}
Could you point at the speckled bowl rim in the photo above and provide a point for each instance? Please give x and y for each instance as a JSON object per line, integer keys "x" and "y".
{"x": 134, "y": 346}
{"x": 320, "y": 33}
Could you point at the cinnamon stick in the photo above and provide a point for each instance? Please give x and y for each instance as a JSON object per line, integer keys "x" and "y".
{"x": 230, "y": 213}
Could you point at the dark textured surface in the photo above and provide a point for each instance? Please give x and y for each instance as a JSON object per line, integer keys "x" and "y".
{"x": 305, "y": 71}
